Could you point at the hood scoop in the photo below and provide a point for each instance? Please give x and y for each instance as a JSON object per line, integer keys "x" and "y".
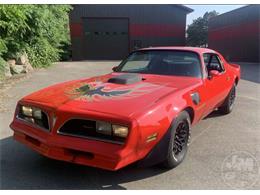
{"x": 128, "y": 78}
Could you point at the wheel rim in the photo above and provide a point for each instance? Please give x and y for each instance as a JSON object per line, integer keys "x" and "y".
{"x": 181, "y": 138}
{"x": 232, "y": 97}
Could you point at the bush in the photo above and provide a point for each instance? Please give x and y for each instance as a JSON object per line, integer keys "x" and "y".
{"x": 42, "y": 53}
{"x": 39, "y": 30}
{"x": 3, "y": 48}
{"x": 66, "y": 52}
{"x": 2, "y": 68}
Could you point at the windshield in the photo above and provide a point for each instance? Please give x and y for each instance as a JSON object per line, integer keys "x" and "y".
{"x": 162, "y": 62}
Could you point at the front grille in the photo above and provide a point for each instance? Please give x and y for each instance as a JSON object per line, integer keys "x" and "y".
{"x": 79, "y": 127}
{"x": 86, "y": 129}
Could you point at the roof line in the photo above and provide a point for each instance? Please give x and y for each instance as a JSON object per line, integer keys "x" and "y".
{"x": 187, "y": 9}
{"x": 231, "y": 11}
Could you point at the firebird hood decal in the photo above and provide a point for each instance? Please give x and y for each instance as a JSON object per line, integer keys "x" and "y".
{"x": 98, "y": 91}
{"x": 87, "y": 91}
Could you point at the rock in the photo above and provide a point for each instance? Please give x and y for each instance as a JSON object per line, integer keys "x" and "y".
{"x": 29, "y": 67}
{"x": 22, "y": 60}
{"x": 22, "y": 65}
{"x": 7, "y": 71}
{"x": 16, "y": 69}
{"x": 25, "y": 70}
{"x": 11, "y": 62}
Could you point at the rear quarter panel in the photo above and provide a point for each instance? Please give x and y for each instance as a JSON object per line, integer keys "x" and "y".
{"x": 232, "y": 69}
{"x": 235, "y": 70}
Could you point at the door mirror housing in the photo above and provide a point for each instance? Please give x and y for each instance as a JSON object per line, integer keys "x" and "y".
{"x": 115, "y": 68}
{"x": 213, "y": 73}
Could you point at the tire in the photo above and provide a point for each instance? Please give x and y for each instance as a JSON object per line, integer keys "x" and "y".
{"x": 228, "y": 104}
{"x": 180, "y": 133}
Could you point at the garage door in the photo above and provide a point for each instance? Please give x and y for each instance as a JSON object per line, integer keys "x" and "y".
{"x": 105, "y": 38}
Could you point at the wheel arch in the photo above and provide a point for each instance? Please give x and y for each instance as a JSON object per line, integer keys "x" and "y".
{"x": 191, "y": 113}
{"x": 236, "y": 80}
{"x": 159, "y": 152}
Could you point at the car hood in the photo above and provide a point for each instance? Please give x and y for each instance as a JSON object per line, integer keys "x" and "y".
{"x": 97, "y": 94}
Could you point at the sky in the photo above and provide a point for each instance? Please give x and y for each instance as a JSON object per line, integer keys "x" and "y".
{"x": 199, "y": 10}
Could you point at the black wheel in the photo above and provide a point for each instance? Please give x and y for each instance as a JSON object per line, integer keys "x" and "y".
{"x": 178, "y": 146}
{"x": 228, "y": 104}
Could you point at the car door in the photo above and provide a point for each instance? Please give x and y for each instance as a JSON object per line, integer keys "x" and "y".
{"x": 217, "y": 85}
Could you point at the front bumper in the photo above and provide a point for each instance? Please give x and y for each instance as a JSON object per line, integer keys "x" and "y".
{"x": 76, "y": 150}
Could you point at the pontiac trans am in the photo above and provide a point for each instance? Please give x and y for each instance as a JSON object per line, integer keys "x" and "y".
{"x": 141, "y": 112}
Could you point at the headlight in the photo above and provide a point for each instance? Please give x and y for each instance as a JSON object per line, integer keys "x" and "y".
{"x": 32, "y": 112}
{"x": 37, "y": 113}
{"x": 34, "y": 115}
{"x": 29, "y": 119}
{"x": 112, "y": 130}
{"x": 27, "y": 111}
{"x": 120, "y": 131}
{"x": 103, "y": 128}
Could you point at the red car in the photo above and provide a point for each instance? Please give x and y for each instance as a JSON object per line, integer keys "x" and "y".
{"x": 142, "y": 112}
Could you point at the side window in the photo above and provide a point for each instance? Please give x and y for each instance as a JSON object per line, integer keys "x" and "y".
{"x": 212, "y": 62}
{"x": 206, "y": 58}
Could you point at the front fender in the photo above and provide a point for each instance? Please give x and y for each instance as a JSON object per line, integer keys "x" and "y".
{"x": 156, "y": 121}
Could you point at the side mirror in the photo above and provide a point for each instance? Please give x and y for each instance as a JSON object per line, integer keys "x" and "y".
{"x": 115, "y": 68}
{"x": 213, "y": 73}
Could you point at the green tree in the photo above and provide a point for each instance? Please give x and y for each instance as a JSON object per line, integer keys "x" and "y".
{"x": 197, "y": 32}
{"x": 39, "y": 30}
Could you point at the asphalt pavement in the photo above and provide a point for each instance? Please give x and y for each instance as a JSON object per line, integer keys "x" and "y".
{"x": 224, "y": 152}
